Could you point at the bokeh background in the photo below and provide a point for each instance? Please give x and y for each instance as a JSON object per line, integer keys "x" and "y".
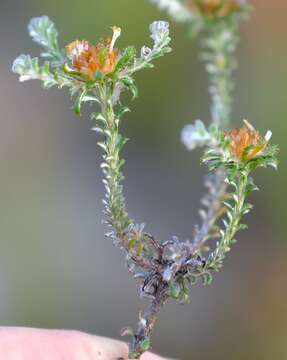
{"x": 56, "y": 268}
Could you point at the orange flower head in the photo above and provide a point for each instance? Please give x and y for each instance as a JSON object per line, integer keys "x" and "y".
{"x": 88, "y": 59}
{"x": 216, "y": 8}
{"x": 246, "y": 143}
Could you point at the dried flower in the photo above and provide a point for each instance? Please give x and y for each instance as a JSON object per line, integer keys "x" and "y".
{"x": 88, "y": 59}
{"x": 216, "y": 8}
{"x": 175, "y": 8}
{"x": 246, "y": 143}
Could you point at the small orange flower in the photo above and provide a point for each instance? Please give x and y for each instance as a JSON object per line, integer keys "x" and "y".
{"x": 244, "y": 138}
{"x": 215, "y": 8}
{"x": 88, "y": 59}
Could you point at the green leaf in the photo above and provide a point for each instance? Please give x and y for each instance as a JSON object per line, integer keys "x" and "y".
{"x": 149, "y": 66}
{"x": 99, "y": 75}
{"x": 135, "y": 355}
{"x": 100, "y": 117}
{"x": 29, "y": 69}
{"x": 103, "y": 54}
{"x": 69, "y": 71}
{"x": 122, "y": 111}
{"x": 228, "y": 205}
{"x": 78, "y": 103}
{"x": 251, "y": 186}
{"x": 174, "y": 290}
{"x": 129, "y": 83}
{"x": 43, "y": 31}
{"x": 121, "y": 141}
{"x": 207, "y": 279}
{"x": 88, "y": 98}
{"x": 184, "y": 298}
{"x": 127, "y": 56}
{"x": 232, "y": 172}
{"x": 243, "y": 227}
{"x": 145, "y": 344}
{"x": 167, "y": 50}
{"x": 103, "y": 146}
{"x": 246, "y": 208}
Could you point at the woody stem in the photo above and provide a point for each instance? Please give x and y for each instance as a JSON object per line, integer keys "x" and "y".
{"x": 141, "y": 339}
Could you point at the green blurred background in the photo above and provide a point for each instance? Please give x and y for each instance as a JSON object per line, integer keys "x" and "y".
{"x": 57, "y": 269}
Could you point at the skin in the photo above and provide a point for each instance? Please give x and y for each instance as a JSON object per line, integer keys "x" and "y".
{"x": 36, "y": 344}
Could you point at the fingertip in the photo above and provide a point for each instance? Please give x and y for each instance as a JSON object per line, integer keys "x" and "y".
{"x": 150, "y": 356}
{"x": 107, "y": 349}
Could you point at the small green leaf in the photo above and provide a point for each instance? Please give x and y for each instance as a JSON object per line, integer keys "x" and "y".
{"x": 122, "y": 111}
{"x": 129, "y": 83}
{"x": 99, "y": 75}
{"x": 243, "y": 227}
{"x": 26, "y": 67}
{"x": 103, "y": 146}
{"x": 103, "y": 54}
{"x": 149, "y": 66}
{"x": 145, "y": 344}
{"x": 174, "y": 290}
{"x": 135, "y": 355}
{"x": 78, "y": 103}
{"x": 29, "y": 69}
{"x": 207, "y": 279}
{"x": 69, "y": 71}
{"x": 43, "y": 31}
{"x": 88, "y": 98}
{"x": 127, "y": 56}
{"x": 121, "y": 141}
{"x": 167, "y": 50}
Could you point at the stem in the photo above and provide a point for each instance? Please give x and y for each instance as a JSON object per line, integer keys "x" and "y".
{"x": 213, "y": 200}
{"x": 141, "y": 340}
{"x": 115, "y": 207}
{"x": 119, "y": 220}
{"x": 235, "y": 215}
{"x": 219, "y": 48}
{"x": 144, "y": 62}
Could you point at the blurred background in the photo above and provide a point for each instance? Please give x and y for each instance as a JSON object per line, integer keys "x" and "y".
{"x": 56, "y": 268}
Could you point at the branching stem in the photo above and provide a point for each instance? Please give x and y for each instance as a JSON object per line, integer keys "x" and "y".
{"x": 218, "y": 54}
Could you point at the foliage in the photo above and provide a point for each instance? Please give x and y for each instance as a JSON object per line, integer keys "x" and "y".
{"x": 43, "y": 31}
{"x": 242, "y": 184}
{"x": 58, "y": 69}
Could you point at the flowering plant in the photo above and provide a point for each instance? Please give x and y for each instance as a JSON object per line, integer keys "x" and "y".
{"x": 99, "y": 74}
